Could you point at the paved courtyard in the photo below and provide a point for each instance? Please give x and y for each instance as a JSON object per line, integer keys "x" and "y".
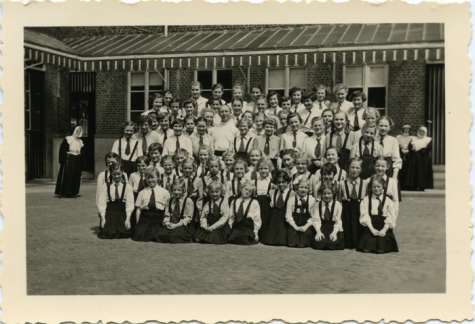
{"x": 64, "y": 257}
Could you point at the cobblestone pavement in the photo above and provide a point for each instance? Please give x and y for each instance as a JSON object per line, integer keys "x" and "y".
{"x": 64, "y": 257}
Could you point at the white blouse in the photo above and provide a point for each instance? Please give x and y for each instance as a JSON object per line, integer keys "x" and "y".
{"x": 318, "y": 213}
{"x": 162, "y": 197}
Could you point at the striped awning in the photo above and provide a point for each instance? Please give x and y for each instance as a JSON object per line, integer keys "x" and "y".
{"x": 186, "y": 49}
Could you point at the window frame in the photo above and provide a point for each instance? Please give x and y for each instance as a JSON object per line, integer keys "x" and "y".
{"x": 214, "y": 77}
{"x": 366, "y": 76}
{"x": 165, "y": 74}
{"x": 287, "y": 85}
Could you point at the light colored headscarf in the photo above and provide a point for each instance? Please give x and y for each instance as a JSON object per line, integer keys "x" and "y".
{"x": 421, "y": 140}
{"x": 75, "y": 136}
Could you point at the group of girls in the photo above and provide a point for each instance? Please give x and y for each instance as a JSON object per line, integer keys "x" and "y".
{"x": 299, "y": 171}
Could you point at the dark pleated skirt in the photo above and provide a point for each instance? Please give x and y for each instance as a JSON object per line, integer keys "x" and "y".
{"x": 368, "y": 168}
{"x": 378, "y": 244}
{"x": 350, "y": 218}
{"x": 129, "y": 167}
{"x": 326, "y": 243}
{"x": 149, "y": 225}
{"x": 297, "y": 238}
{"x": 264, "y": 204}
{"x": 242, "y": 233}
{"x": 115, "y": 222}
{"x": 218, "y": 236}
{"x": 181, "y": 234}
{"x": 276, "y": 230}
{"x": 69, "y": 177}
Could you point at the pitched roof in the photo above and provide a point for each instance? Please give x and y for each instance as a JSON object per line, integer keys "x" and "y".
{"x": 311, "y": 37}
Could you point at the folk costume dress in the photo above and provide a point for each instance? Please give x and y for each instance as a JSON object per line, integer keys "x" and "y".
{"x": 115, "y": 203}
{"x": 214, "y": 216}
{"x": 351, "y": 193}
{"x": 327, "y": 218}
{"x": 69, "y": 176}
{"x": 263, "y": 187}
{"x": 298, "y": 214}
{"x": 277, "y": 227}
{"x": 377, "y": 211}
{"x": 245, "y": 221}
{"x": 178, "y": 211}
{"x": 152, "y": 202}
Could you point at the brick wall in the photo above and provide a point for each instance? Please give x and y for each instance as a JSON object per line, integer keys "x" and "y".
{"x": 111, "y": 101}
{"x": 57, "y": 112}
{"x": 406, "y": 94}
{"x": 180, "y": 82}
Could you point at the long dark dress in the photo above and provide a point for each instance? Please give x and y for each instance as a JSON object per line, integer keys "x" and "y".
{"x": 301, "y": 215}
{"x": 371, "y": 243}
{"x": 350, "y": 217}
{"x": 264, "y": 204}
{"x": 242, "y": 231}
{"x": 276, "y": 229}
{"x": 419, "y": 169}
{"x": 327, "y": 228}
{"x": 115, "y": 218}
{"x": 180, "y": 234}
{"x": 219, "y": 235}
{"x": 402, "y": 175}
{"x": 69, "y": 176}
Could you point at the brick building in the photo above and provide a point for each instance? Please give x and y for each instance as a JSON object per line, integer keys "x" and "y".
{"x": 100, "y": 77}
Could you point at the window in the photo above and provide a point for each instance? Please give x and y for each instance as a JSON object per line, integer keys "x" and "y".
{"x": 372, "y": 80}
{"x": 142, "y": 87}
{"x": 282, "y": 80}
{"x": 209, "y": 77}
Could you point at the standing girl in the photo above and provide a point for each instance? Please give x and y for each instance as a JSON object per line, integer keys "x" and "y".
{"x": 404, "y": 140}
{"x": 137, "y": 182}
{"x": 203, "y": 156}
{"x": 381, "y": 165}
{"x": 301, "y": 231}
{"x": 176, "y": 111}
{"x": 155, "y": 156}
{"x": 214, "y": 174}
{"x": 201, "y": 137}
{"x": 367, "y": 149}
{"x": 150, "y": 211}
{"x": 341, "y": 91}
{"x": 331, "y": 155}
{"x": 273, "y": 102}
{"x": 389, "y": 144}
{"x": 263, "y": 185}
{"x": 254, "y": 157}
{"x": 276, "y": 229}
{"x": 179, "y": 156}
{"x": 245, "y": 218}
{"x": 378, "y": 216}
{"x": 327, "y": 116}
{"x": 214, "y": 227}
{"x": 104, "y": 177}
{"x": 302, "y": 162}
{"x": 228, "y": 159}
{"x": 314, "y": 146}
{"x": 168, "y": 176}
{"x": 242, "y": 143}
{"x": 355, "y": 113}
{"x": 233, "y": 186}
{"x": 115, "y": 205}
{"x": 340, "y": 138}
{"x": 69, "y": 177}
{"x": 128, "y": 149}
{"x": 351, "y": 192}
{"x": 178, "y": 214}
{"x": 296, "y": 96}
{"x": 321, "y": 103}
{"x": 327, "y": 220}
{"x": 288, "y": 164}
{"x": 256, "y": 90}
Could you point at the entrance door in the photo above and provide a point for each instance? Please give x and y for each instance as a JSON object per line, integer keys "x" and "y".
{"x": 35, "y": 124}
{"x": 83, "y": 112}
{"x": 435, "y": 110}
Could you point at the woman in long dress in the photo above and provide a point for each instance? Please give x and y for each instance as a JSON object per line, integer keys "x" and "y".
{"x": 419, "y": 171}
{"x": 69, "y": 177}
{"x": 404, "y": 139}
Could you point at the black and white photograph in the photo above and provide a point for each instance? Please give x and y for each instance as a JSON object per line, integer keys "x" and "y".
{"x": 178, "y": 159}
{"x": 307, "y": 142}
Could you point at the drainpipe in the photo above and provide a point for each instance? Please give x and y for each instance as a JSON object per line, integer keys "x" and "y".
{"x": 165, "y": 30}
